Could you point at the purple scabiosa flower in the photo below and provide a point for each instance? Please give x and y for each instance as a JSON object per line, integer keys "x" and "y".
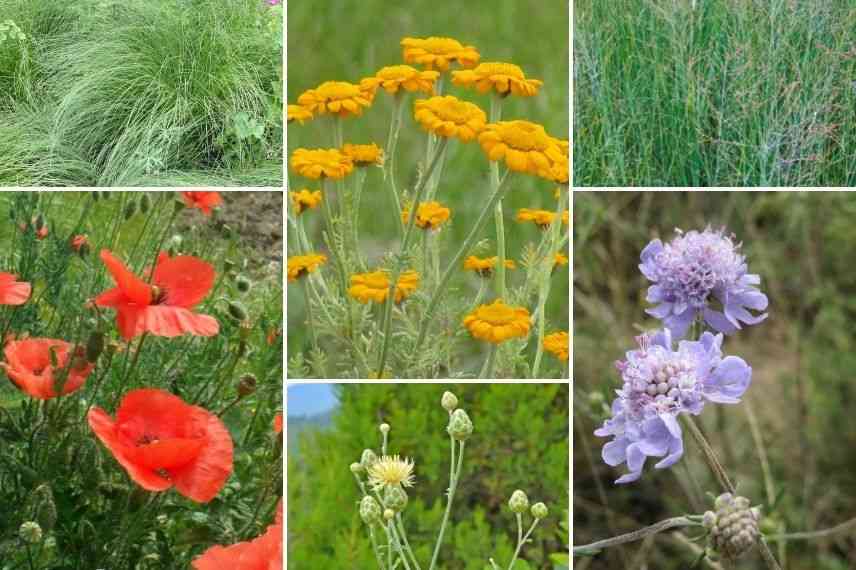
{"x": 660, "y": 384}
{"x": 696, "y": 270}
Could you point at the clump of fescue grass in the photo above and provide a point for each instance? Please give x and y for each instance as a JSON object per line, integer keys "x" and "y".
{"x": 141, "y": 88}
{"x": 714, "y": 93}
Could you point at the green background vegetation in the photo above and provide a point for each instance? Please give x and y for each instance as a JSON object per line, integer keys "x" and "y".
{"x": 99, "y": 517}
{"x": 520, "y": 441}
{"x": 802, "y": 356}
{"x": 352, "y": 39}
{"x": 141, "y": 93}
{"x": 731, "y": 93}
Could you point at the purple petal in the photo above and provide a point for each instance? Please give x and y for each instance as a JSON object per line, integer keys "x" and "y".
{"x": 728, "y": 381}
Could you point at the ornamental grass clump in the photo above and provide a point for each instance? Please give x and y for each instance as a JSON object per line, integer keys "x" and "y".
{"x": 383, "y": 482}
{"x": 136, "y": 402}
{"x": 406, "y": 305}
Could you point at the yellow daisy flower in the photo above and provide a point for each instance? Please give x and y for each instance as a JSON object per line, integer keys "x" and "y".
{"x": 318, "y": 163}
{"x": 429, "y": 216}
{"x": 337, "y": 98}
{"x": 504, "y": 78}
{"x": 301, "y": 265}
{"x": 542, "y": 218}
{"x": 402, "y": 77}
{"x": 391, "y": 470}
{"x": 560, "y": 259}
{"x": 363, "y": 154}
{"x": 484, "y": 266}
{"x": 526, "y": 147}
{"x": 497, "y": 322}
{"x": 304, "y": 200}
{"x": 557, "y": 344}
{"x": 374, "y": 286}
{"x": 448, "y": 116}
{"x": 565, "y": 217}
{"x": 438, "y": 53}
{"x": 299, "y": 113}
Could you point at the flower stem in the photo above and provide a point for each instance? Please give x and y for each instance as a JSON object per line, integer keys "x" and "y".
{"x": 338, "y": 256}
{"x": 406, "y": 543}
{"x": 309, "y": 319}
{"x": 393, "y": 538}
{"x": 456, "y": 260}
{"x": 709, "y": 455}
{"x": 389, "y": 156}
{"x": 495, "y": 115}
{"x": 375, "y": 548}
{"x": 674, "y": 522}
{"x": 487, "y": 368}
{"x": 396, "y": 270}
{"x": 521, "y": 541}
{"x": 453, "y": 485}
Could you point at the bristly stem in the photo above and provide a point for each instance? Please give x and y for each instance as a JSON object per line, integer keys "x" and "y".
{"x": 390, "y": 529}
{"x": 521, "y": 541}
{"x": 397, "y": 265}
{"x": 453, "y": 485}
{"x": 674, "y": 522}
{"x": 405, "y": 542}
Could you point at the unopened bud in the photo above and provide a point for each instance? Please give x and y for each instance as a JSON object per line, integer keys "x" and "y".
{"x": 394, "y": 498}
{"x": 356, "y": 468}
{"x": 449, "y": 402}
{"x": 460, "y": 427}
{"x": 735, "y": 529}
{"x": 519, "y": 502}
{"x": 539, "y": 510}
{"x": 39, "y": 222}
{"x": 368, "y": 458}
{"x": 708, "y": 520}
{"x": 237, "y": 311}
{"x": 388, "y": 514}
{"x": 247, "y": 385}
{"x": 145, "y": 203}
{"x": 242, "y": 283}
{"x": 130, "y": 209}
{"x": 30, "y": 532}
{"x": 369, "y": 510}
{"x": 384, "y": 428}
{"x": 94, "y": 346}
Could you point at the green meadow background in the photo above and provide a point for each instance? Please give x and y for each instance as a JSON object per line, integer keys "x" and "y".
{"x": 802, "y": 395}
{"x": 351, "y": 39}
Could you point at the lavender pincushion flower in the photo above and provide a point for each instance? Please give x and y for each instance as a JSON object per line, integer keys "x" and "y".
{"x": 695, "y": 269}
{"x": 660, "y": 384}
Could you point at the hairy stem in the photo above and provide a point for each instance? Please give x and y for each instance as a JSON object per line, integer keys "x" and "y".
{"x": 674, "y": 522}
{"x": 521, "y": 541}
{"x": 453, "y": 485}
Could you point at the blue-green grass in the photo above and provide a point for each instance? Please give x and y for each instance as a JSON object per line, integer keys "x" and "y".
{"x": 714, "y": 93}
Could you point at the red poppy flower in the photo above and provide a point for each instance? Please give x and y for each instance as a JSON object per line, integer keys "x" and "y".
{"x": 277, "y": 423}
{"x": 162, "y": 308}
{"x": 13, "y": 292}
{"x": 262, "y": 553}
{"x": 163, "y": 442}
{"x": 204, "y": 201}
{"x": 78, "y": 242}
{"x": 28, "y": 365}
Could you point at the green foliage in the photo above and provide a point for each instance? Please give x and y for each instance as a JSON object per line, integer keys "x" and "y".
{"x": 520, "y": 441}
{"x": 802, "y": 358}
{"x": 714, "y": 93}
{"x": 117, "y": 93}
{"x": 52, "y": 468}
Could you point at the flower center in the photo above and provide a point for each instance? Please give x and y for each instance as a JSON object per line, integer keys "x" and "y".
{"x": 441, "y": 46}
{"x": 496, "y": 314}
{"x": 338, "y": 90}
{"x": 523, "y": 135}
{"x": 667, "y": 385}
{"x": 396, "y": 72}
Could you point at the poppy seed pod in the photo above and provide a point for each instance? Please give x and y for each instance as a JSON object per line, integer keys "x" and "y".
{"x": 369, "y": 510}
{"x": 130, "y": 209}
{"x": 94, "y": 346}
{"x": 30, "y": 532}
{"x": 539, "y": 510}
{"x": 735, "y": 528}
{"x": 460, "y": 427}
{"x": 519, "y": 502}
{"x": 145, "y": 203}
{"x": 247, "y": 385}
{"x": 394, "y": 498}
{"x": 449, "y": 402}
{"x": 242, "y": 283}
{"x": 237, "y": 311}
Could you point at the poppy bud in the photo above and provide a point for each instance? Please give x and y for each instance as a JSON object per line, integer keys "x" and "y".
{"x": 42, "y": 507}
{"x": 145, "y": 203}
{"x": 237, "y": 311}
{"x": 130, "y": 209}
{"x": 519, "y": 502}
{"x": 228, "y": 265}
{"x": 178, "y": 205}
{"x": 539, "y": 510}
{"x": 242, "y": 283}
{"x": 394, "y": 498}
{"x": 94, "y": 346}
{"x": 460, "y": 427}
{"x": 247, "y": 385}
{"x": 30, "y": 532}
{"x": 449, "y": 402}
{"x": 369, "y": 510}
{"x": 39, "y": 222}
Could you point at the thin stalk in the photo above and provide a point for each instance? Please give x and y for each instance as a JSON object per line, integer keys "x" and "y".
{"x": 487, "y": 369}
{"x": 498, "y": 219}
{"x": 812, "y": 534}
{"x": 309, "y": 319}
{"x": 521, "y": 542}
{"x": 664, "y": 525}
{"x": 408, "y": 233}
{"x": 403, "y": 536}
{"x": 453, "y": 485}
{"x": 389, "y": 156}
{"x": 375, "y": 548}
{"x": 355, "y": 226}
{"x": 390, "y": 530}
{"x": 456, "y": 260}
{"x": 709, "y": 455}
{"x": 337, "y": 255}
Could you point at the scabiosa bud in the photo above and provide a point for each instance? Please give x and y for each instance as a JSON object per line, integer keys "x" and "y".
{"x": 735, "y": 529}
{"x": 661, "y": 383}
{"x": 368, "y": 458}
{"x": 369, "y": 510}
{"x": 539, "y": 511}
{"x": 460, "y": 427}
{"x": 519, "y": 502}
{"x": 694, "y": 269}
{"x": 30, "y": 532}
{"x": 449, "y": 402}
{"x": 394, "y": 498}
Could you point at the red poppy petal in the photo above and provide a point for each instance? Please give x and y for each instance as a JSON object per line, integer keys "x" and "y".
{"x": 132, "y": 286}
{"x": 110, "y": 298}
{"x": 129, "y": 319}
{"x": 13, "y": 292}
{"x": 185, "y": 279}
{"x": 156, "y": 412}
{"x": 203, "y": 479}
{"x": 103, "y": 426}
{"x": 163, "y": 320}
{"x": 219, "y": 557}
{"x": 168, "y": 454}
